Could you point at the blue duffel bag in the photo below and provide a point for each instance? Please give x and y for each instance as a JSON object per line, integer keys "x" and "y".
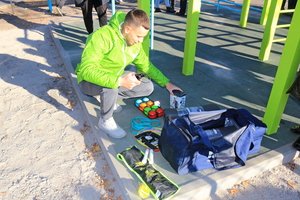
{"x": 219, "y": 139}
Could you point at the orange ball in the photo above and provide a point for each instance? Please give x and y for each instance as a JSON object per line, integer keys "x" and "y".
{"x": 150, "y": 103}
{"x": 143, "y": 105}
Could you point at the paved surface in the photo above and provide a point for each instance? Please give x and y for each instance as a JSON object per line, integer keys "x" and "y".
{"x": 47, "y": 150}
{"x": 227, "y": 73}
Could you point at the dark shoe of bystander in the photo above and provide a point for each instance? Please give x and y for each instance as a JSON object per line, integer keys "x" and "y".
{"x": 170, "y": 10}
{"x": 296, "y": 129}
{"x": 180, "y": 14}
{"x": 157, "y": 10}
{"x": 119, "y": 1}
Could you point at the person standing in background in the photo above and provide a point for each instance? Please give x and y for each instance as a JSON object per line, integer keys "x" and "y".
{"x": 119, "y": 1}
{"x": 182, "y": 11}
{"x": 87, "y": 12}
{"x": 291, "y": 4}
{"x": 59, "y": 5}
{"x": 169, "y": 8}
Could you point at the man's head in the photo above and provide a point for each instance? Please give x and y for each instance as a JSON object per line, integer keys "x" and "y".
{"x": 135, "y": 27}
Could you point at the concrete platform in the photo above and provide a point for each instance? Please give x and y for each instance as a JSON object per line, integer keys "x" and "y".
{"x": 227, "y": 73}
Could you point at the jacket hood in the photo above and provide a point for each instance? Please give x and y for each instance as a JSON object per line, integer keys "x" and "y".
{"x": 116, "y": 20}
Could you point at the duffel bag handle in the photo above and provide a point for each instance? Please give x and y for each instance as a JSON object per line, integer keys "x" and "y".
{"x": 194, "y": 129}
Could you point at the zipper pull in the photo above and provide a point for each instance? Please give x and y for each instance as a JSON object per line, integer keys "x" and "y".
{"x": 151, "y": 157}
{"x": 144, "y": 161}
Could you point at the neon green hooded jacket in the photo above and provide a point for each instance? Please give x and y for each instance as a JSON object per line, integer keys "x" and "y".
{"x": 106, "y": 55}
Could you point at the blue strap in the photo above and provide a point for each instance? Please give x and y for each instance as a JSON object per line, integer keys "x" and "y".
{"x": 139, "y": 123}
{"x": 198, "y": 129}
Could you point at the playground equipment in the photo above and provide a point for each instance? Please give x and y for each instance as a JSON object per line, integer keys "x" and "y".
{"x": 193, "y": 13}
{"x": 50, "y": 5}
{"x": 285, "y": 75}
{"x": 288, "y": 64}
{"x": 270, "y": 29}
{"x": 245, "y": 12}
{"x": 229, "y": 5}
{"x": 145, "y": 5}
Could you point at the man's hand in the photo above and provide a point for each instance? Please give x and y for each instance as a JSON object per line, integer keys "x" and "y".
{"x": 170, "y": 87}
{"x": 129, "y": 81}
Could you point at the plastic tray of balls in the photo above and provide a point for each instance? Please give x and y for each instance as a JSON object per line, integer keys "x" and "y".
{"x": 150, "y": 108}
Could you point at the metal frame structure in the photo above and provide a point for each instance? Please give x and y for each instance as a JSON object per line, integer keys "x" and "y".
{"x": 270, "y": 29}
{"x": 285, "y": 75}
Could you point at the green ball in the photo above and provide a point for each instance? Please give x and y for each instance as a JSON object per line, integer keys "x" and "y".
{"x": 154, "y": 107}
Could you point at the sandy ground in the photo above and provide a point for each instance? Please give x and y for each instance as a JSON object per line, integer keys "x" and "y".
{"x": 47, "y": 150}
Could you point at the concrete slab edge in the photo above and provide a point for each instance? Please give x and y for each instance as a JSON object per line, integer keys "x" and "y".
{"x": 255, "y": 166}
{"x": 215, "y": 185}
{"x": 222, "y": 180}
{"x": 112, "y": 161}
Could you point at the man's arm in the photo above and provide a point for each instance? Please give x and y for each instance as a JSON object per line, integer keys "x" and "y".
{"x": 90, "y": 68}
{"x": 171, "y": 87}
{"x": 145, "y": 66}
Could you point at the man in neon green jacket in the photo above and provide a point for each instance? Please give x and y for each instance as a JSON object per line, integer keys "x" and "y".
{"x": 106, "y": 54}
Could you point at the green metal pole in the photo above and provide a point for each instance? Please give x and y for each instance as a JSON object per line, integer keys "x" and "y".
{"x": 265, "y": 12}
{"x": 145, "y": 6}
{"x": 270, "y": 28}
{"x": 285, "y": 75}
{"x": 192, "y": 26}
{"x": 245, "y": 13}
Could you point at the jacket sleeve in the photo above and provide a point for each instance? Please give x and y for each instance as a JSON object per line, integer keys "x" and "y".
{"x": 145, "y": 66}
{"x": 90, "y": 68}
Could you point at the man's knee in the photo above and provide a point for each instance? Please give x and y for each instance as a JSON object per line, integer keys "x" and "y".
{"x": 89, "y": 89}
{"x": 148, "y": 87}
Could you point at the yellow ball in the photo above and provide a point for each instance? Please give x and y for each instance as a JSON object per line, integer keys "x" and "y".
{"x": 143, "y": 191}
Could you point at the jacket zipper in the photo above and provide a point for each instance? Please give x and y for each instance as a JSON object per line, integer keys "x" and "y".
{"x": 124, "y": 56}
{"x": 125, "y": 60}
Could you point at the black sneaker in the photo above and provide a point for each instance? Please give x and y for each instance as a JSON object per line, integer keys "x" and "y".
{"x": 296, "y": 129}
{"x": 157, "y": 10}
{"x": 170, "y": 10}
{"x": 180, "y": 14}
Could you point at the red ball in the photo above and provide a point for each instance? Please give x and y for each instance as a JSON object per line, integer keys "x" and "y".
{"x": 152, "y": 114}
{"x": 160, "y": 112}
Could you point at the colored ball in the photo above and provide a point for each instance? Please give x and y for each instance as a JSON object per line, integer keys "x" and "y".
{"x": 146, "y": 110}
{"x": 160, "y": 112}
{"x": 138, "y": 102}
{"x": 143, "y": 105}
{"x": 150, "y": 103}
{"x": 154, "y": 107}
{"x": 152, "y": 114}
{"x": 157, "y": 103}
{"x": 141, "y": 108}
{"x": 143, "y": 191}
{"x": 145, "y": 99}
